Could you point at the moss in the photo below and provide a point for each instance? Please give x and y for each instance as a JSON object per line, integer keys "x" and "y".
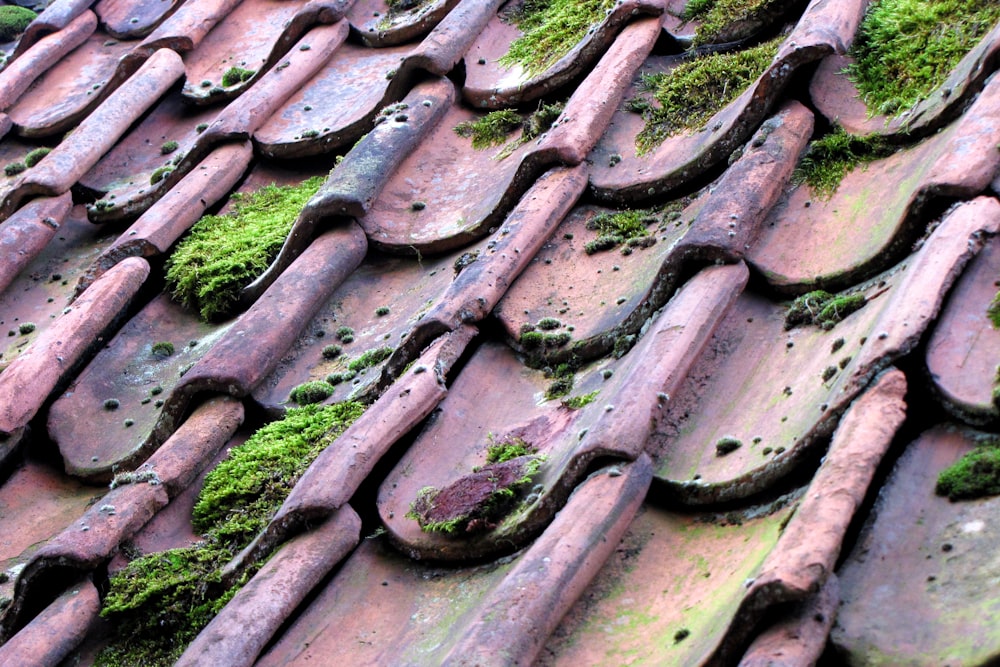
{"x": 822, "y": 308}
{"x": 494, "y": 128}
{"x": 464, "y": 260}
{"x": 510, "y": 447}
{"x": 315, "y": 391}
{"x": 577, "y": 402}
{"x": 13, "y": 21}
{"x": 25, "y": 328}
{"x": 559, "y": 387}
{"x": 975, "y": 475}
{"x": 235, "y": 75}
{"x": 726, "y": 445}
{"x": 14, "y": 168}
{"x": 332, "y": 351}
{"x": 382, "y": 311}
{"x": 906, "y": 48}
{"x": 681, "y": 635}
{"x": 551, "y": 28}
{"x": 224, "y": 253}
{"x": 718, "y": 17}
{"x": 617, "y": 228}
{"x": 201, "y": 127}
{"x": 993, "y": 312}
{"x": 345, "y": 334}
{"x": 370, "y": 358}
{"x": 337, "y": 378}
{"x": 162, "y": 349}
{"x": 548, "y": 323}
{"x": 168, "y": 147}
{"x": 35, "y": 156}
{"x": 159, "y": 602}
{"x": 111, "y": 404}
{"x": 831, "y": 157}
{"x": 531, "y": 340}
{"x": 690, "y": 94}
{"x": 160, "y": 173}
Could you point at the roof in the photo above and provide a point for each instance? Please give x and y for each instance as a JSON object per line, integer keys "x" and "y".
{"x": 456, "y": 415}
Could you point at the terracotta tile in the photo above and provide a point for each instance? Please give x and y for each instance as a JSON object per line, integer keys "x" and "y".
{"x": 185, "y": 29}
{"x": 450, "y": 39}
{"x": 877, "y": 212}
{"x": 964, "y": 348}
{"x": 65, "y": 93}
{"x": 18, "y": 75}
{"x": 608, "y": 295}
{"x": 55, "y": 632}
{"x": 799, "y": 636}
{"x": 36, "y": 372}
{"x": 631, "y": 400}
{"x": 837, "y": 99}
{"x": 378, "y": 26}
{"x": 339, "y": 470}
{"x": 796, "y": 398}
{"x": 922, "y": 562}
{"x": 156, "y": 230}
{"x": 241, "y": 39}
{"x": 491, "y": 85}
{"x": 513, "y": 624}
{"x": 242, "y": 629}
{"x": 97, "y": 133}
{"x": 669, "y": 592}
{"x": 56, "y": 16}
{"x": 25, "y": 234}
{"x": 823, "y": 29}
{"x": 132, "y": 19}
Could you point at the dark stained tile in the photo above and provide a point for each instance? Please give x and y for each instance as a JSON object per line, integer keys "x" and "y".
{"x": 964, "y": 348}
{"x": 628, "y": 178}
{"x": 615, "y": 422}
{"x": 836, "y": 97}
{"x": 131, "y": 19}
{"x": 921, "y": 562}
{"x": 778, "y": 392}
{"x": 492, "y": 85}
{"x": 879, "y": 211}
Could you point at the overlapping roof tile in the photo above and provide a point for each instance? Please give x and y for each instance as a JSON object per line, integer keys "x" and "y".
{"x": 706, "y": 432}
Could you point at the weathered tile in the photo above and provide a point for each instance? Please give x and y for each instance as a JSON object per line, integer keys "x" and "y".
{"x": 56, "y": 631}
{"x": 380, "y": 25}
{"x": 241, "y": 40}
{"x": 607, "y": 296}
{"x": 185, "y": 29}
{"x": 381, "y": 608}
{"x": 55, "y": 16}
{"x": 742, "y": 25}
{"x": 836, "y": 97}
{"x": 915, "y": 588}
{"x": 669, "y": 592}
{"x": 236, "y": 636}
{"x": 963, "y": 351}
{"x": 490, "y": 84}
{"x": 778, "y": 392}
{"x": 615, "y": 421}
{"x": 97, "y": 133}
{"x": 878, "y": 211}
{"x": 18, "y": 75}
{"x": 131, "y": 19}
{"x": 27, "y": 232}
{"x": 623, "y": 176}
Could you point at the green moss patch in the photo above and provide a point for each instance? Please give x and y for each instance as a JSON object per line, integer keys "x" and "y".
{"x": 906, "y": 48}
{"x": 975, "y": 475}
{"x": 495, "y": 128}
{"x": 308, "y": 393}
{"x": 235, "y": 75}
{"x": 829, "y": 158}
{"x": 551, "y": 28}
{"x": 370, "y": 358}
{"x": 13, "y": 21}
{"x": 687, "y": 96}
{"x": 35, "y": 156}
{"x": 159, "y": 602}
{"x": 577, "y": 402}
{"x": 993, "y": 312}
{"x": 823, "y": 309}
{"x": 717, "y": 16}
{"x": 222, "y": 254}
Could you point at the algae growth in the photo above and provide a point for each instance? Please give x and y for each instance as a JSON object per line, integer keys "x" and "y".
{"x": 159, "y": 602}
{"x": 222, "y": 254}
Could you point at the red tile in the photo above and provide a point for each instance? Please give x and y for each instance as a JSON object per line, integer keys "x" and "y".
{"x": 379, "y": 26}
{"x": 56, "y": 16}
{"x": 131, "y": 19}
{"x": 185, "y": 29}
{"x": 55, "y": 632}
{"x": 26, "y": 233}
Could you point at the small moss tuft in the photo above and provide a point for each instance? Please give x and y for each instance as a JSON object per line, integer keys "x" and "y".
{"x": 35, "y": 156}
{"x": 14, "y": 168}
{"x": 13, "y": 21}
{"x": 822, "y": 308}
{"x": 111, "y": 404}
{"x": 168, "y": 147}
{"x": 162, "y": 349}
{"x": 494, "y": 128}
{"x": 332, "y": 351}
{"x": 508, "y": 448}
{"x": 577, "y": 402}
{"x": 235, "y": 75}
{"x": 25, "y": 328}
{"x": 370, "y": 358}
{"x": 726, "y": 445}
{"x": 224, "y": 253}
{"x": 548, "y": 323}
{"x": 345, "y": 334}
{"x": 311, "y": 392}
{"x": 160, "y": 173}
{"x": 382, "y": 311}
{"x": 975, "y": 475}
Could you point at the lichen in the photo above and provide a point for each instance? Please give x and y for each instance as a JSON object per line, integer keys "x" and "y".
{"x": 687, "y": 96}
{"x": 975, "y": 475}
{"x": 829, "y": 158}
{"x": 224, "y": 253}
{"x": 13, "y": 21}
{"x": 160, "y": 601}
{"x": 823, "y": 309}
{"x": 235, "y": 75}
{"x": 905, "y": 49}
{"x": 550, "y": 29}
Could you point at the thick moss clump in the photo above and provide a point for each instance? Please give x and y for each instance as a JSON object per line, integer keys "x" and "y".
{"x": 308, "y": 393}
{"x": 823, "y": 309}
{"x": 831, "y": 157}
{"x": 13, "y": 21}
{"x": 160, "y": 601}
{"x": 551, "y": 29}
{"x": 718, "y": 16}
{"x": 906, "y": 48}
{"x": 235, "y": 75}
{"x": 975, "y": 475}
{"x": 687, "y": 96}
{"x": 35, "y": 156}
{"x": 494, "y": 128}
{"x": 222, "y": 254}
